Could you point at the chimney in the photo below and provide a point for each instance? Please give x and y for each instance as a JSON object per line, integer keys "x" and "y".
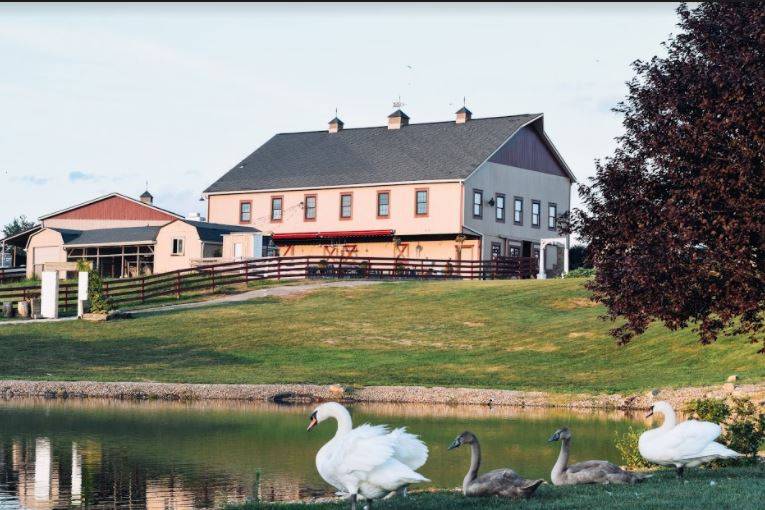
{"x": 397, "y": 120}
{"x": 146, "y": 198}
{"x": 335, "y": 125}
{"x": 463, "y": 115}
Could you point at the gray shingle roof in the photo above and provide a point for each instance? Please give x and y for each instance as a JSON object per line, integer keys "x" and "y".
{"x": 125, "y": 235}
{"x": 417, "y": 152}
{"x": 212, "y": 232}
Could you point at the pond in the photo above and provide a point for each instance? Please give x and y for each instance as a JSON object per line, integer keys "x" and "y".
{"x": 158, "y": 455}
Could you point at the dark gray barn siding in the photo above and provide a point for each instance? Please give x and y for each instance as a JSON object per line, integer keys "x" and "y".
{"x": 527, "y": 150}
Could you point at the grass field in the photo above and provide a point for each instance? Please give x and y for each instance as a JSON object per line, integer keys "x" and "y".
{"x": 739, "y": 488}
{"x": 529, "y": 335}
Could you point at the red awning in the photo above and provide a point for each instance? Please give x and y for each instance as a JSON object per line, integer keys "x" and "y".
{"x": 334, "y": 235}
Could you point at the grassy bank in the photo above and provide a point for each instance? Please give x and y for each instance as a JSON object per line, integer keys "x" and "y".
{"x": 528, "y": 335}
{"x": 739, "y": 488}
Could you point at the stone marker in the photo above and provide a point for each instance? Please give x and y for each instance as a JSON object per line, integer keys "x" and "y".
{"x": 22, "y": 307}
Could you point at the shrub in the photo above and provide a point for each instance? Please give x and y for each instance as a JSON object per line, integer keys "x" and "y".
{"x": 627, "y": 445}
{"x": 743, "y": 426}
{"x": 577, "y": 256}
{"x": 83, "y": 265}
{"x": 709, "y": 409}
{"x": 99, "y": 303}
{"x": 746, "y": 430}
{"x": 581, "y": 272}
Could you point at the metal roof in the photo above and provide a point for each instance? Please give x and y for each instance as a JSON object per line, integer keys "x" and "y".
{"x": 417, "y": 152}
{"x": 213, "y": 232}
{"x": 104, "y": 197}
{"x": 109, "y": 236}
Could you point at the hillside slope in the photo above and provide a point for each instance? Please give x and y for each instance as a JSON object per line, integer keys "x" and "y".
{"x": 529, "y": 335}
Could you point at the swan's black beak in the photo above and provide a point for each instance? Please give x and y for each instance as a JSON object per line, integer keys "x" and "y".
{"x": 455, "y": 444}
{"x": 313, "y": 422}
{"x": 554, "y": 437}
{"x": 650, "y": 413}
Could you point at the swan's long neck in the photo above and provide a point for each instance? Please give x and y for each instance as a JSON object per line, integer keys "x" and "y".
{"x": 475, "y": 463}
{"x": 344, "y": 421}
{"x": 562, "y": 462}
{"x": 669, "y": 419}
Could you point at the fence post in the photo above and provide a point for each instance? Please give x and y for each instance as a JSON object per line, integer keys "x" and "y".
{"x": 143, "y": 279}
{"x": 279, "y": 268}
{"x": 106, "y": 288}
{"x": 246, "y": 273}
{"x": 340, "y": 267}
{"x": 307, "y": 263}
{"x": 178, "y": 285}
{"x": 212, "y": 274}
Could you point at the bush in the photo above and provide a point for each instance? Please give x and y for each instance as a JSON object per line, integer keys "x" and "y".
{"x": 582, "y": 272}
{"x": 83, "y": 265}
{"x": 577, "y": 256}
{"x": 746, "y": 431}
{"x": 627, "y": 445}
{"x": 98, "y": 302}
{"x": 743, "y": 426}
{"x": 709, "y": 409}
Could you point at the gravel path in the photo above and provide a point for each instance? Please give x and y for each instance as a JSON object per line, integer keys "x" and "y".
{"x": 392, "y": 394}
{"x": 278, "y": 291}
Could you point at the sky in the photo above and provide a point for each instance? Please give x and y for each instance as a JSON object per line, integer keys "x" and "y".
{"x": 103, "y": 98}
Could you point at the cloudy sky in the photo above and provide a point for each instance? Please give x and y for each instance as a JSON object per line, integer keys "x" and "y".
{"x": 95, "y": 99}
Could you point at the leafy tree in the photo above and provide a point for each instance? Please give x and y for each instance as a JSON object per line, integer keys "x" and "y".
{"x": 676, "y": 216}
{"x": 577, "y": 257}
{"x": 17, "y": 225}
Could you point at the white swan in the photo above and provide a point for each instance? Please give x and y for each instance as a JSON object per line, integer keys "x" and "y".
{"x": 687, "y": 444}
{"x": 370, "y": 461}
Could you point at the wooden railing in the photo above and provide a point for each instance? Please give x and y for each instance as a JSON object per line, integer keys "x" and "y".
{"x": 12, "y": 273}
{"x": 213, "y": 277}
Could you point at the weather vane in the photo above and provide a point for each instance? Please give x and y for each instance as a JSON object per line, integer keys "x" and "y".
{"x": 399, "y": 103}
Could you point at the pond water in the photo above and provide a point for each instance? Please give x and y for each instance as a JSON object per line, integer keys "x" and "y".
{"x": 172, "y": 456}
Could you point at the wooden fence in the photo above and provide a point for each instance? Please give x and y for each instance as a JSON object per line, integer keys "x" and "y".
{"x": 213, "y": 277}
{"x": 12, "y": 273}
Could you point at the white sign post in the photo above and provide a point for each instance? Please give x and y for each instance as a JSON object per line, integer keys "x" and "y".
{"x": 82, "y": 292}
{"x": 49, "y": 295}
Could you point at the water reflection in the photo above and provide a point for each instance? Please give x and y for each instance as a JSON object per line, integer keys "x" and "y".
{"x": 175, "y": 456}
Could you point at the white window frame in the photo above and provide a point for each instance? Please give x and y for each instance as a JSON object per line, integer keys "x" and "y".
{"x": 181, "y": 241}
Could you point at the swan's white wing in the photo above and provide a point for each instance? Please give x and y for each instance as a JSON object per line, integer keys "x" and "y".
{"x": 715, "y": 449}
{"x": 409, "y": 449}
{"x": 394, "y": 474}
{"x": 362, "y": 449}
{"x": 686, "y": 440}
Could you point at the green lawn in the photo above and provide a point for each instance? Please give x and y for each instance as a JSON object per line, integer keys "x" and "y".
{"x": 529, "y": 335}
{"x": 739, "y": 488}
